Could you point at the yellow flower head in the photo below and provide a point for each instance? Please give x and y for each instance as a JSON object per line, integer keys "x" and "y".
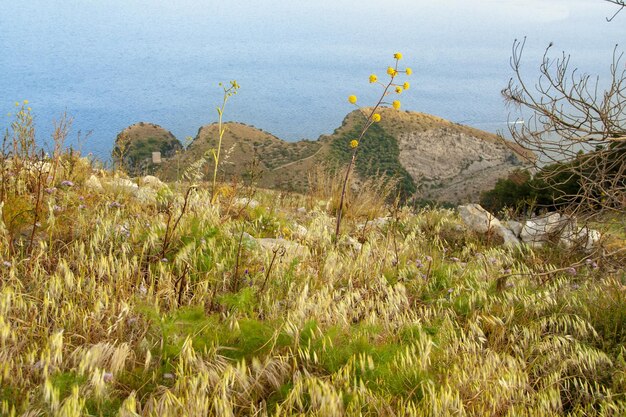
{"x": 408, "y": 71}
{"x": 376, "y": 117}
{"x": 17, "y": 104}
{"x": 406, "y": 85}
{"x": 352, "y": 99}
{"x": 373, "y": 78}
{"x": 392, "y": 71}
{"x": 397, "y": 55}
{"x": 399, "y": 90}
{"x": 25, "y": 101}
{"x": 395, "y": 104}
{"x": 354, "y": 143}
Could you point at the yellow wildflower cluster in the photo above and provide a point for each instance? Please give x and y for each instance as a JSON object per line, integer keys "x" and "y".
{"x": 390, "y": 87}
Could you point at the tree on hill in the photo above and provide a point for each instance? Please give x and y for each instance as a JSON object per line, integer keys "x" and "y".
{"x": 573, "y": 122}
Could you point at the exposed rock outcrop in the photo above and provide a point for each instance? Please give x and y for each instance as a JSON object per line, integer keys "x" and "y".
{"x": 480, "y": 220}
{"x": 454, "y": 166}
{"x": 537, "y": 231}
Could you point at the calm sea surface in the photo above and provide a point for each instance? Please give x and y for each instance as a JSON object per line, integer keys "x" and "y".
{"x": 113, "y": 63}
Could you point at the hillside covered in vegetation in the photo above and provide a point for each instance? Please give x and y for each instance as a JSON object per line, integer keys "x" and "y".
{"x": 426, "y": 156}
{"x": 135, "y": 297}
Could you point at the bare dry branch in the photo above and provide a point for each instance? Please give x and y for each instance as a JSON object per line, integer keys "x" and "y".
{"x": 620, "y": 3}
{"x": 577, "y": 121}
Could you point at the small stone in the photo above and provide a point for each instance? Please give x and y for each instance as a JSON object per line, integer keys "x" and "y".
{"x": 123, "y": 185}
{"x": 93, "y": 184}
{"x": 152, "y": 182}
{"x": 243, "y": 202}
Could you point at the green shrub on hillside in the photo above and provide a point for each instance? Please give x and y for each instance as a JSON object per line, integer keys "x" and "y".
{"x": 135, "y": 153}
{"x": 553, "y": 188}
{"x": 378, "y": 156}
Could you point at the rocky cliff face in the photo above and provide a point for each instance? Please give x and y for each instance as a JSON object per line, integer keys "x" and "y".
{"x": 453, "y": 165}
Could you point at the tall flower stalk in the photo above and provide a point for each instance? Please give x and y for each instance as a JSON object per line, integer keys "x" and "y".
{"x": 391, "y": 87}
{"x": 228, "y": 92}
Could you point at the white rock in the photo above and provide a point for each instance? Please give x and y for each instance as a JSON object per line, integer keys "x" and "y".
{"x": 152, "y": 182}
{"x": 593, "y": 237}
{"x": 478, "y": 219}
{"x": 583, "y": 238}
{"x": 542, "y": 229}
{"x": 507, "y": 235}
{"x": 93, "y": 184}
{"x": 35, "y": 167}
{"x": 513, "y": 226}
{"x": 123, "y": 185}
{"x": 300, "y": 231}
{"x": 242, "y": 202}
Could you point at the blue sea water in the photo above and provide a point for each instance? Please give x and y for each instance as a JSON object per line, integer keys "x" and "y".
{"x": 109, "y": 64}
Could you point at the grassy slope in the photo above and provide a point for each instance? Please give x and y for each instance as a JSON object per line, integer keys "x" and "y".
{"x": 243, "y": 144}
{"x": 423, "y": 319}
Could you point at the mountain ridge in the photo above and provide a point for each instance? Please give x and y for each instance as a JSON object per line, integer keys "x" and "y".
{"x": 434, "y": 158}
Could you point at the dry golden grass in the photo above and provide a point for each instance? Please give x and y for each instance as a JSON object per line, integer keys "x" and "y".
{"x": 115, "y": 308}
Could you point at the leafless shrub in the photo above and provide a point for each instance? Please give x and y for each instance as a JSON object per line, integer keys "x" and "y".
{"x": 578, "y": 122}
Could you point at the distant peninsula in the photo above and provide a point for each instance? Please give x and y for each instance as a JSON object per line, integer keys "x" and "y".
{"x": 432, "y": 158}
